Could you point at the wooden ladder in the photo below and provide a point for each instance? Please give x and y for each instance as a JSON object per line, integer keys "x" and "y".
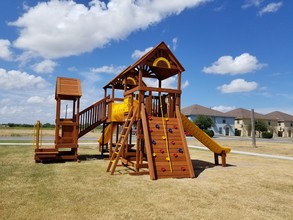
{"x": 120, "y": 145}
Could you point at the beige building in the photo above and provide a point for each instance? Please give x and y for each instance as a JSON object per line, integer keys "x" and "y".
{"x": 243, "y": 121}
{"x": 279, "y": 123}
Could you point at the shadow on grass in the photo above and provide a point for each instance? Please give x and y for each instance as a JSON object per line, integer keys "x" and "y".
{"x": 199, "y": 166}
{"x": 84, "y": 157}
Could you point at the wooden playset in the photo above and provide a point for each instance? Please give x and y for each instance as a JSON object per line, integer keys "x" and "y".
{"x": 147, "y": 121}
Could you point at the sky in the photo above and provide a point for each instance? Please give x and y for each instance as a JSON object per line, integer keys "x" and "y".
{"x": 236, "y": 54}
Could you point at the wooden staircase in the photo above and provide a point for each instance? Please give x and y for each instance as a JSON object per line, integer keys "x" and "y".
{"x": 92, "y": 116}
{"x": 122, "y": 140}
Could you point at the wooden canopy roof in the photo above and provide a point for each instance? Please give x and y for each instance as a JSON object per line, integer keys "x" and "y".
{"x": 159, "y": 63}
{"x": 67, "y": 88}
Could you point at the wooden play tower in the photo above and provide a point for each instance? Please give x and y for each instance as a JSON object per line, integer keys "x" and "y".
{"x": 154, "y": 113}
{"x": 141, "y": 119}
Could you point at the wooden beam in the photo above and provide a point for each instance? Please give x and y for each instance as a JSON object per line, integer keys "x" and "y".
{"x": 147, "y": 143}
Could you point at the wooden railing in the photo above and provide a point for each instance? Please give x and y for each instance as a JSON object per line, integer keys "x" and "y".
{"x": 92, "y": 116}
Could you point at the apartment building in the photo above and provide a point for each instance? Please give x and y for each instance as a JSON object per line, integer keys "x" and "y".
{"x": 238, "y": 121}
{"x": 223, "y": 124}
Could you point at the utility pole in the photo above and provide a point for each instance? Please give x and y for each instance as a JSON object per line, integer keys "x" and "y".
{"x": 253, "y": 128}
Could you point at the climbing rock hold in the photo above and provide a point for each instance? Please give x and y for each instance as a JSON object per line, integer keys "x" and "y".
{"x": 170, "y": 130}
{"x": 183, "y": 168}
{"x": 150, "y": 118}
{"x": 172, "y": 142}
{"x": 168, "y": 158}
{"x": 175, "y": 127}
{"x": 162, "y": 151}
{"x": 157, "y": 126}
{"x": 175, "y": 155}
{"x": 163, "y": 169}
{"x": 167, "y": 119}
{"x": 180, "y": 150}
{"x": 154, "y": 154}
{"x": 154, "y": 142}
{"x": 164, "y": 137}
{"x": 151, "y": 130}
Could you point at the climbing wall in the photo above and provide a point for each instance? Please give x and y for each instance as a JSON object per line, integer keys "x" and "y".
{"x": 170, "y": 157}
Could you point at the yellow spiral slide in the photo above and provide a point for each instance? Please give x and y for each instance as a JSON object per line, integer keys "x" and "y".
{"x": 202, "y": 136}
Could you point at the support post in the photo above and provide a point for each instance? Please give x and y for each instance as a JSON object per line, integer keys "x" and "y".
{"x": 253, "y": 128}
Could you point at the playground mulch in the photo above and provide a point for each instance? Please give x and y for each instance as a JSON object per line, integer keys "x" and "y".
{"x": 248, "y": 188}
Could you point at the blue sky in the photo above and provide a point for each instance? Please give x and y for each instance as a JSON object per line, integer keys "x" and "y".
{"x": 235, "y": 53}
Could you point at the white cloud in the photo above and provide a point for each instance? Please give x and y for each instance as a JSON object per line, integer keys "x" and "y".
{"x": 35, "y": 100}
{"x": 170, "y": 83}
{"x": 270, "y": 8}
{"x": 72, "y": 69}
{"x": 185, "y": 84}
{"x": 108, "y": 69}
{"x": 175, "y": 43}
{"x": 238, "y": 85}
{"x": 46, "y": 66}
{"x": 5, "y": 52}
{"x": 244, "y": 63}
{"x": 223, "y": 108}
{"x": 251, "y": 3}
{"x": 15, "y": 79}
{"x": 57, "y": 29}
{"x": 138, "y": 54}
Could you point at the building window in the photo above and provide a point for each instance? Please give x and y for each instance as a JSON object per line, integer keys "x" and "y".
{"x": 269, "y": 123}
{"x": 220, "y": 130}
{"x": 224, "y": 121}
{"x": 291, "y": 123}
{"x": 237, "y": 121}
{"x": 279, "y": 123}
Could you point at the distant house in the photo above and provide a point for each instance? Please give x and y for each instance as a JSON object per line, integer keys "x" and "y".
{"x": 223, "y": 124}
{"x": 243, "y": 120}
{"x": 281, "y": 124}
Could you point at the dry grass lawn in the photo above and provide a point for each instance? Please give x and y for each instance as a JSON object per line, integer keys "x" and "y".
{"x": 249, "y": 188}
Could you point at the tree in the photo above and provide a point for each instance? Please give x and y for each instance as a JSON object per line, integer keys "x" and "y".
{"x": 203, "y": 122}
{"x": 260, "y": 126}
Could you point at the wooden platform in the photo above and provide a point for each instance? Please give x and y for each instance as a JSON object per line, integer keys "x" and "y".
{"x": 52, "y": 154}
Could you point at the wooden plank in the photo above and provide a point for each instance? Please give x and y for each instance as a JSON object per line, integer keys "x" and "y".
{"x": 191, "y": 170}
{"x": 147, "y": 143}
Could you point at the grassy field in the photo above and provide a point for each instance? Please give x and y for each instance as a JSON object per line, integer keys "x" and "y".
{"x": 249, "y": 188}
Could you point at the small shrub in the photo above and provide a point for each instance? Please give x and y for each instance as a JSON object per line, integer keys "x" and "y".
{"x": 209, "y": 132}
{"x": 266, "y": 134}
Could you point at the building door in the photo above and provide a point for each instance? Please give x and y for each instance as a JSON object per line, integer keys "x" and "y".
{"x": 227, "y": 131}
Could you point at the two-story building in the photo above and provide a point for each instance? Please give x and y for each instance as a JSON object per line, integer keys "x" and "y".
{"x": 243, "y": 120}
{"x": 281, "y": 124}
{"x": 223, "y": 124}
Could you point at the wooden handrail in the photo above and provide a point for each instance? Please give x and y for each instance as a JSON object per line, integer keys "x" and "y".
{"x": 92, "y": 116}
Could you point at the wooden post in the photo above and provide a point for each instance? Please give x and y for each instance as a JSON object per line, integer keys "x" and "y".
{"x": 223, "y": 155}
{"x": 216, "y": 158}
{"x": 253, "y": 128}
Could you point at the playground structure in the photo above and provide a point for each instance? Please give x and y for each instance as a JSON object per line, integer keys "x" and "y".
{"x": 159, "y": 147}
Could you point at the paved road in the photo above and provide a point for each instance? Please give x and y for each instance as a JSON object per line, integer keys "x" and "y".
{"x": 190, "y": 146}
